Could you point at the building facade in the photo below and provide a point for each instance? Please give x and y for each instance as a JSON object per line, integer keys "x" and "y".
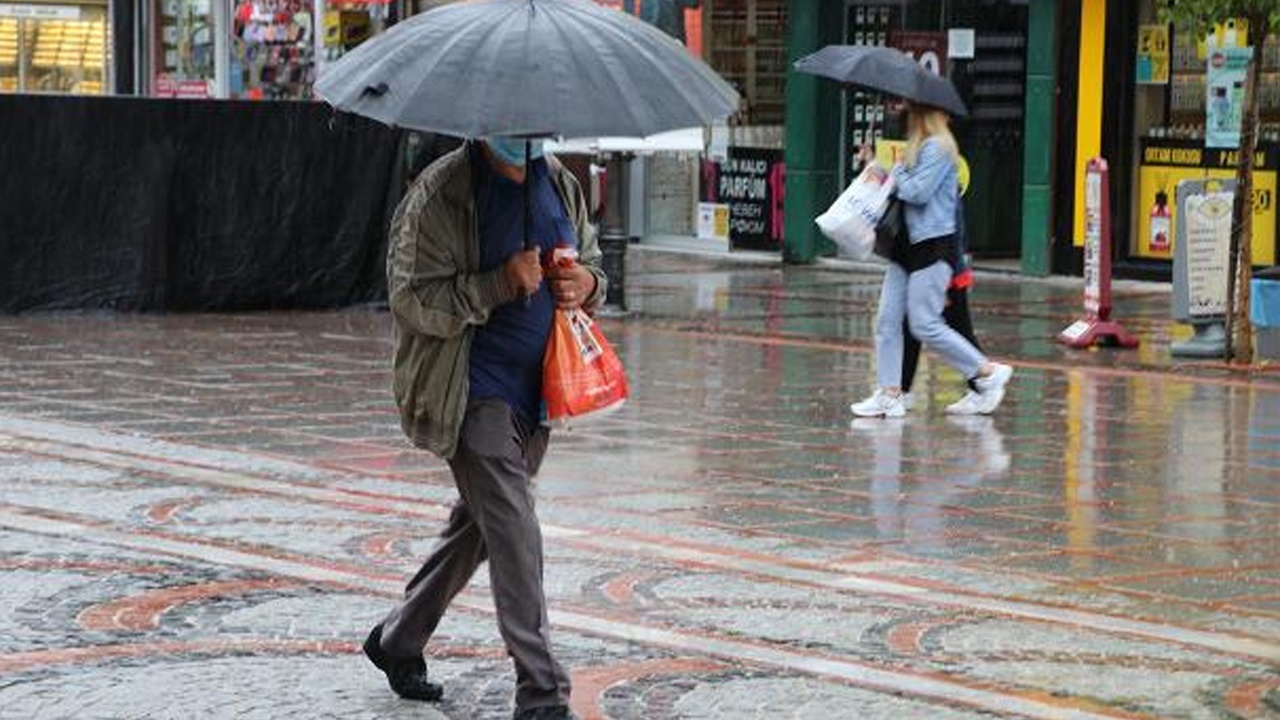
{"x": 1050, "y": 85}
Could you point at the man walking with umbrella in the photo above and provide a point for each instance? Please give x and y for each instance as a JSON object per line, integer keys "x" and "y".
{"x": 471, "y": 302}
{"x": 472, "y": 310}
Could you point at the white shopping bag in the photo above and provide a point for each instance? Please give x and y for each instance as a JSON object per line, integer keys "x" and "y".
{"x": 851, "y": 220}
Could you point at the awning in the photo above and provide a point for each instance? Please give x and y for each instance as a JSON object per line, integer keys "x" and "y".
{"x": 690, "y": 140}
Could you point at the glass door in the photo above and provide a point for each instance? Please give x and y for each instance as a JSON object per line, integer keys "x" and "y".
{"x": 184, "y": 48}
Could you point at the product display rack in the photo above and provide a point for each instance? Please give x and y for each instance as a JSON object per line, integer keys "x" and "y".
{"x": 751, "y": 54}
{"x": 185, "y": 42}
{"x": 1186, "y": 99}
{"x": 53, "y": 55}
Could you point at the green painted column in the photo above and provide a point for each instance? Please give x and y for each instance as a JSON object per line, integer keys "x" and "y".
{"x": 811, "y": 114}
{"x": 1037, "y": 162}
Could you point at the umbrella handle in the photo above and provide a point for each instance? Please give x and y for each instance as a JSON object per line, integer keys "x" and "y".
{"x": 528, "y": 200}
{"x": 528, "y": 204}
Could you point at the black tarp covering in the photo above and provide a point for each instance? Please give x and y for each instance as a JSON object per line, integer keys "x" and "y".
{"x": 151, "y": 205}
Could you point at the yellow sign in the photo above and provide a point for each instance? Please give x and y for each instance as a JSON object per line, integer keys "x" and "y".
{"x": 1165, "y": 164}
{"x": 1153, "y": 54}
{"x": 891, "y": 152}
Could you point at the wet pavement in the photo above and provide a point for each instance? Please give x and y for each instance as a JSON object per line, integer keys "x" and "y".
{"x": 201, "y": 515}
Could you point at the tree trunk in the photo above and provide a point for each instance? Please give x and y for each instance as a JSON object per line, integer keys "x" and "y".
{"x": 1242, "y": 339}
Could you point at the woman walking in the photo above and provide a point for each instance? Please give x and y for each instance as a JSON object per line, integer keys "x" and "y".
{"x": 915, "y": 289}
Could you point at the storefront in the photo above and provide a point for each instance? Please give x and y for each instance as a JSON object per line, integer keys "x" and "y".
{"x": 982, "y": 48}
{"x": 1162, "y": 106}
{"x": 1002, "y": 55}
{"x": 251, "y": 49}
{"x": 54, "y": 47}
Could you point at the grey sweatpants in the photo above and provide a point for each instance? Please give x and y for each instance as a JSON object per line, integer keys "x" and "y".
{"x": 494, "y": 519}
{"x": 919, "y": 297}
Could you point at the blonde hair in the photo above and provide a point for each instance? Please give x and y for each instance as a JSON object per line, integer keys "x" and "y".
{"x": 924, "y": 122}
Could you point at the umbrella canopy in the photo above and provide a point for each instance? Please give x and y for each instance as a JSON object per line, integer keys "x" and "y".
{"x": 884, "y": 70}
{"x": 549, "y": 68}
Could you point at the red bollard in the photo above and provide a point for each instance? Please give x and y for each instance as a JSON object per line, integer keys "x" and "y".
{"x": 1097, "y": 325}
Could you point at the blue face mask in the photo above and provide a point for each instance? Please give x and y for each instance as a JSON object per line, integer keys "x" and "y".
{"x": 511, "y": 150}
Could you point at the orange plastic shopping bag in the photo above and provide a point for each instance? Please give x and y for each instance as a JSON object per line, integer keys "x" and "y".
{"x": 581, "y": 373}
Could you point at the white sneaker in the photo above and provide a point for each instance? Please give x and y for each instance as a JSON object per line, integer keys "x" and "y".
{"x": 970, "y": 404}
{"x": 908, "y": 401}
{"x": 991, "y": 388}
{"x": 880, "y": 404}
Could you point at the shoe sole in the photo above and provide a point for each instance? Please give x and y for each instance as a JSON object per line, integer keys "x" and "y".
{"x": 884, "y": 415}
{"x": 902, "y": 412}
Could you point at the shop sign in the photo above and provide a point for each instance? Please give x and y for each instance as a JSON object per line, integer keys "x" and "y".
{"x": 928, "y": 48}
{"x": 1166, "y": 162}
{"x": 1153, "y": 55}
{"x": 167, "y": 87}
{"x": 40, "y": 12}
{"x": 1227, "y": 73}
{"x": 750, "y": 184}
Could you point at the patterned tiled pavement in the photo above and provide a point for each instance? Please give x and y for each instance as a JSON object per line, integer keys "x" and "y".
{"x": 201, "y": 515}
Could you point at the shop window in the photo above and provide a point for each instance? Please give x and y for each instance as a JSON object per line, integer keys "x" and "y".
{"x": 748, "y": 47}
{"x": 272, "y": 50}
{"x": 1185, "y": 112}
{"x": 349, "y": 23}
{"x": 183, "y": 48}
{"x": 53, "y": 49}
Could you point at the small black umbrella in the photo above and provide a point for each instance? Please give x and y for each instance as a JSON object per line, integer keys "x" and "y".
{"x": 528, "y": 68}
{"x": 884, "y": 70}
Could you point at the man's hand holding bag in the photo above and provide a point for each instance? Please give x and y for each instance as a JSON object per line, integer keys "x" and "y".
{"x": 581, "y": 373}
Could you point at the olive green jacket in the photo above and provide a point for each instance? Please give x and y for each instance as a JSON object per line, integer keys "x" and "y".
{"x": 438, "y": 294}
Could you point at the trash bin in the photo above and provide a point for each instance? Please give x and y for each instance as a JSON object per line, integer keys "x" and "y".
{"x": 613, "y": 247}
{"x": 1264, "y": 312}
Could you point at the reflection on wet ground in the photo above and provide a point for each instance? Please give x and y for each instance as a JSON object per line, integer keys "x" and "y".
{"x": 729, "y": 544}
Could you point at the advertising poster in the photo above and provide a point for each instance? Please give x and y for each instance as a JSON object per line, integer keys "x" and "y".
{"x": 1167, "y": 162}
{"x": 750, "y": 183}
{"x": 1207, "y": 231}
{"x": 713, "y": 222}
{"x": 1227, "y": 70}
{"x": 1153, "y": 55}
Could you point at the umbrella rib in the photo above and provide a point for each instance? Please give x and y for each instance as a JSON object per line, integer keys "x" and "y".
{"x": 473, "y": 68}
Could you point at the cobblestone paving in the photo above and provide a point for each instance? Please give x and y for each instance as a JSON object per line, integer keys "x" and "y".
{"x": 201, "y": 516}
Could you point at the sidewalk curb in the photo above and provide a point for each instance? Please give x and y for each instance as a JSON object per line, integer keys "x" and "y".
{"x": 676, "y": 245}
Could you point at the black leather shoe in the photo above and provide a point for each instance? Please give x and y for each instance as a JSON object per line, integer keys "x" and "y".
{"x": 406, "y": 676}
{"x": 551, "y": 712}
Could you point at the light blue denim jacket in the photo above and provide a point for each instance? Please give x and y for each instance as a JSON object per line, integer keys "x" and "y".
{"x": 928, "y": 191}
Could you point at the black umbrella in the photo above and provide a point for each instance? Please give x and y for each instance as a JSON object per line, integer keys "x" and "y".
{"x": 528, "y": 68}
{"x": 884, "y": 70}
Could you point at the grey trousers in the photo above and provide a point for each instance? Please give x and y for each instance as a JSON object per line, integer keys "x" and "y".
{"x": 919, "y": 297}
{"x": 494, "y": 520}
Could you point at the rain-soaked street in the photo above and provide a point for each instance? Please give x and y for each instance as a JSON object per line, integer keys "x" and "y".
{"x": 202, "y": 515}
